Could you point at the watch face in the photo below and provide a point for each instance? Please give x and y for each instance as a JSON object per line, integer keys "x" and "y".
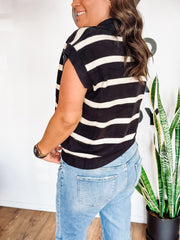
{"x": 36, "y": 152}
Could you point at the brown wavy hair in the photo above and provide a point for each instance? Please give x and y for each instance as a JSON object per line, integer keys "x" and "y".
{"x": 130, "y": 28}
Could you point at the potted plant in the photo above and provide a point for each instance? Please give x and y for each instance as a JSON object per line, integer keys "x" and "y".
{"x": 163, "y": 211}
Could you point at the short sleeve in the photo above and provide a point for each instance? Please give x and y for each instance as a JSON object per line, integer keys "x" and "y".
{"x": 78, "y": 63}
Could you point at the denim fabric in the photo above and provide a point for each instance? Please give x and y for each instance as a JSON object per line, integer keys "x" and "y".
{"x": 107, "y": 190}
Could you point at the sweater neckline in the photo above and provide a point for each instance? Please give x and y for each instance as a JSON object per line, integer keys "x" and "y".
{"x": 108, "y": 24}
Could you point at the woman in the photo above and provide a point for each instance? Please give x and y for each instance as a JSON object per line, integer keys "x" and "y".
{"x": 100, "y": 85}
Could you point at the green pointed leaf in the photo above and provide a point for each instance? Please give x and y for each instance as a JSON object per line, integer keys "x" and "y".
{"x": 165, "y": 128}
{"x": 178, "y": 211}
{"x": 178, "y": 189}
{"x": 175, "y": 122}
{"x": 158, "y": 130}
{"x": 177, "y": 141}
{"x": 160, "y": 184}
{"x": 153, "y": 91}
{"x": 167, "y": 179}
{"x": 138, "y": 188}
{"x": 177, "y": 151}
{"x": 177, "y": 202}
{"x": 145, "y": 181}
{"x": 151, "y": 203}
{"x": 178, "y": 101}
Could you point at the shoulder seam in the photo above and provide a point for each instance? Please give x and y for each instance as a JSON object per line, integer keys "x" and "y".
{"x": 79, "y": 33}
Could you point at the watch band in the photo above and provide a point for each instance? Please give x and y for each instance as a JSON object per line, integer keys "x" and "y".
{"x": 38, "y": 153}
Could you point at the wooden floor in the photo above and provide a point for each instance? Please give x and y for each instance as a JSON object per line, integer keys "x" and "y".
{"x": 22, "y": 224}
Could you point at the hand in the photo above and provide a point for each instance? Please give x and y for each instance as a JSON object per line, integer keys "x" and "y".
{"x": 54, "y": 156}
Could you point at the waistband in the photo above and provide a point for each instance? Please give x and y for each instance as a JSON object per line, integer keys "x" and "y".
{"x": 127, "y": 156}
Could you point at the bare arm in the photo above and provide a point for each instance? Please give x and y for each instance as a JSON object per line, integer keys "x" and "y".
{"x": 67, "y": 115}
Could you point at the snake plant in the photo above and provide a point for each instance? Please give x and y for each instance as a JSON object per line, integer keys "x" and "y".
{"x": 167, "y": 155}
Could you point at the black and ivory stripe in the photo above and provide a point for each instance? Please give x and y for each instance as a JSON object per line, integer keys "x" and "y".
{"x": 111, "y": 106}
{"x": 110, "y": 122}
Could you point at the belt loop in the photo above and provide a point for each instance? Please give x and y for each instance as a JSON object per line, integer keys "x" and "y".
{"x": 125, "y": 166}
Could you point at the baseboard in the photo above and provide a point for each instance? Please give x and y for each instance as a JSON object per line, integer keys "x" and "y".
{"x": 31, "y": 206}
{"x": 52, "y": 208}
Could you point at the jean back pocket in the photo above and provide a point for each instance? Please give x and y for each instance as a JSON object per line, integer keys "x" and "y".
{"x": 96, "y": 191}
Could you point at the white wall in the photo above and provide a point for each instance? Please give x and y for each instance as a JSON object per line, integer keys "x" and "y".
{"x": 32, "y": 35}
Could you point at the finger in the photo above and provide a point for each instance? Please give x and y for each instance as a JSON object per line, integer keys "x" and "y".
{"x": 58, "y": 148}
{"x": 55, "y": 154}
{"x": 52, "y": 160}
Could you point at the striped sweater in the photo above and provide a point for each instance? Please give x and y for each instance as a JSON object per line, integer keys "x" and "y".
{"x": 112, "y": 103}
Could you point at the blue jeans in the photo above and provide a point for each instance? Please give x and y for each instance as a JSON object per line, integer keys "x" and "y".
{"x": 107, "y": 190}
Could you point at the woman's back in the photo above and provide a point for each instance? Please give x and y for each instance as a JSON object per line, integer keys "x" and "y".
{"x": 112, "y": 102}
